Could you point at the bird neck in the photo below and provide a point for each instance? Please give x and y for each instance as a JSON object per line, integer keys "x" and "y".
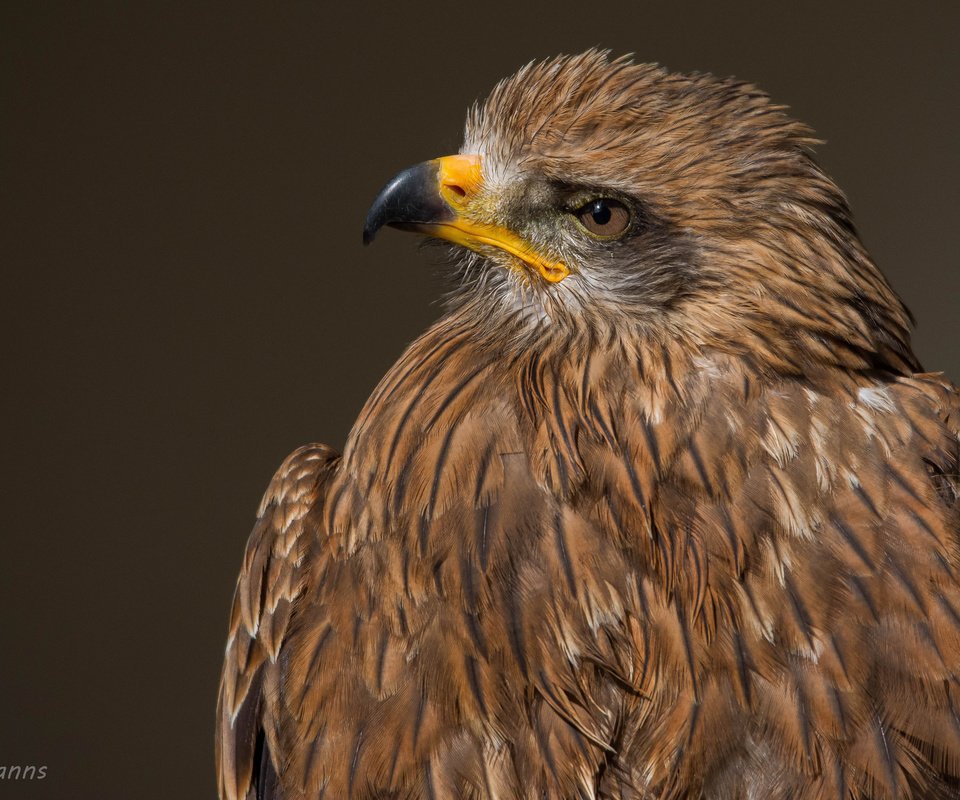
{"x": 457, "y": 393}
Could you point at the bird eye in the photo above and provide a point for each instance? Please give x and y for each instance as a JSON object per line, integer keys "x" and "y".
{"x": 604, "y": 217}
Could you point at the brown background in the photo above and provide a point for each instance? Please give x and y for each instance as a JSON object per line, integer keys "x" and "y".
{"x": 185, "y": 298}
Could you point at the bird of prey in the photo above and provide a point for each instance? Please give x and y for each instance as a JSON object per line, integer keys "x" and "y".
{"x": 662, "y": 507}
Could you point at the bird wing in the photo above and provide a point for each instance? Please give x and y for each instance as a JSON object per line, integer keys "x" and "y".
{"x": 272, "y": 578}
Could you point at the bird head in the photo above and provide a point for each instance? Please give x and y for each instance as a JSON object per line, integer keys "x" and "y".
{"x": 601, "y": 194}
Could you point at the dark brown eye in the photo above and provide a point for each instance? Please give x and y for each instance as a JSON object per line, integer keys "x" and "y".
{"x": 604, "y": 217}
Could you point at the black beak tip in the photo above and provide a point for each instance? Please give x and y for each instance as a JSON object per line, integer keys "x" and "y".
{"x": 410, "y": 198}
{"x": 377, "y": 217}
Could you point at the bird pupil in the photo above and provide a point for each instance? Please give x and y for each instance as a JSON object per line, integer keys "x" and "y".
{"x": 601, "y": 213}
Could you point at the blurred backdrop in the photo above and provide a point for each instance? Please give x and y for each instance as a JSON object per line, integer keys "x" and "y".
{"x": 185, "y": 297}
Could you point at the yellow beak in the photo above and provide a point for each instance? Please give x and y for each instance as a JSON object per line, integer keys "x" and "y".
{"x": 434, "y": 198}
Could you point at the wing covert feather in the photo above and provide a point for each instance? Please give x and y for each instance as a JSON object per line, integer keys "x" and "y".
{"x": 272, "y": 578}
